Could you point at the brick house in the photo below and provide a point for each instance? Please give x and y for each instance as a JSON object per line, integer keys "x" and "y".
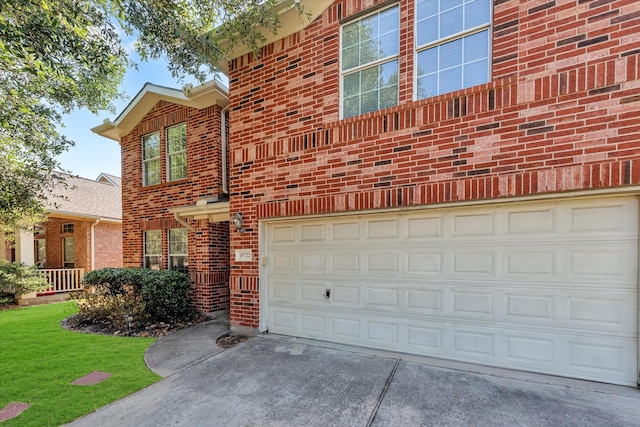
{"x": 83, "y": 232}
{"x": 175, "y": 198}
{"x": 453, "y": 179}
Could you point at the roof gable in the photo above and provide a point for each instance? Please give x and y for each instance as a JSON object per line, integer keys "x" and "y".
{"x": 206, "y": 95}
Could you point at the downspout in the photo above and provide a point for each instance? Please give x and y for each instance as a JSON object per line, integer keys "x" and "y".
{"x": 93, "y": 244}
{"x": 223, "y": 143}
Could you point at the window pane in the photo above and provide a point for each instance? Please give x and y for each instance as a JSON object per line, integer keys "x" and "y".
{"x": 475, "y": 73}
{"x": 151, "y": 145}
{"x": 351, "y": 106}
{"x": 373, "y": 81}
{"x": 68, "y": 250}
{"x": 369, "y": 79}
{"x": 428, "y": 30}
{"x": 350, "y": 57}
{"x": 451, "y": 22}
{"x": 426, "y": 8}
{"x": 178, "y": 241}
{"x": 476, "y": 46}
{"x": 370, "y": 39}
{"x": 428, "y": 86}
{"x": 369, "y": 102}
{"x": 152, "y": 172}
{"x": 451, "y": 54}
{"x": 153, "y": 242}
{"x": 351, "y": 84}
{"x": 476, "y": 12}
{"x": 450, "y": 80}
{"x": 388, "y": 96}
{"x": 177, "y": 138}
{"x": 177, "y": 166}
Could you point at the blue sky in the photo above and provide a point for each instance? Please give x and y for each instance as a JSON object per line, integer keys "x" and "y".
{"x": 94, "y": 154}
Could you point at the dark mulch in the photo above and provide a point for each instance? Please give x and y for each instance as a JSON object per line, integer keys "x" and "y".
{"x": 8, "y": 306}
{"x": 77, "y": 323}
{"x": 228, "y": 341}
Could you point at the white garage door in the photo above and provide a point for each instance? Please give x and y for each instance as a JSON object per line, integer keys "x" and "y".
{"x": 547, "y": 287}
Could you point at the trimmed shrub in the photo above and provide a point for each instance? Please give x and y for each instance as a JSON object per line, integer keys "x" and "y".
{"x": 148, "y": 295}
{"x": 19, "y": 279}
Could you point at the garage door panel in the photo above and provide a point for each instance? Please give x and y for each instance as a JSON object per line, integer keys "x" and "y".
{"x": 545, "y": 287}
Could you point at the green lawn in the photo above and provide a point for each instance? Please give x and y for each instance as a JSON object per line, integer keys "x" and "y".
{"x": 39, "y": 360}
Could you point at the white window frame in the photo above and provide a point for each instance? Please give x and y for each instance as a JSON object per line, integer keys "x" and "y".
{"x": 146, "y": 255}
{"x": 460, "y": 35}
{"x": 368, "y": 65}
{"x": 172, "y": 254}
{"x": 171, "y": 155}
{"x": 147, "y": 161}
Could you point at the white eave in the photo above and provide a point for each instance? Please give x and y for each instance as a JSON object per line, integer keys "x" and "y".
{"x": 206, "y": 95}
{"x": 291, "y": 21}
{"x": 213, "y": 212}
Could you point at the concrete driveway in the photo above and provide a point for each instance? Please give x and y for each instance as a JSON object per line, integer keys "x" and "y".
{"x": 280, "y": 381}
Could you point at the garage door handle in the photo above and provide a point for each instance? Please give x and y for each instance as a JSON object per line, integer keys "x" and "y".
{"x": 327, "y": 293}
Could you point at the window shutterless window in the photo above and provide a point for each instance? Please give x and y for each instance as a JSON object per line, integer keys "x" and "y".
{"x": 452, "y": 45}
{"x": 151, "y": 159}
{"x": 177, "y": 152}
{"x": 369, "y": 55}
{"x": 67, "y": 228}
{"x": 153, "y": 249}
{"x": 178, "y": 249}
{"x": 68, "y": 248}
{"x": 40, "y": 252}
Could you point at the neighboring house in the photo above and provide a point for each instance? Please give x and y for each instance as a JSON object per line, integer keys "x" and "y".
{"x": 83, "y": 232}
{"x": 175, "y": 198}
{"x": 456, "y": 179}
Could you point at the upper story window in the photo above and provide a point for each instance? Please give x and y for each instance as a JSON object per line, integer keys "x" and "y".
{"x": 369, "y": 55}
{"x": 151, "y": 159}
{"x": 153, "y": 249}
{"x": 177, "y": 152}
{"x": 452, "y": 40}
{"x": 67, "y": 228}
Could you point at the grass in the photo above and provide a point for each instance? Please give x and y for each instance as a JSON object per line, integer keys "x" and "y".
{"x": 40, "y": 359}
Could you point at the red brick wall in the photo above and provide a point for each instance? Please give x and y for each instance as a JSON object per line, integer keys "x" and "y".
{"x": 108, "y": 245}
{"x": 560, "y": 113}
{"x": 146, "y": 207}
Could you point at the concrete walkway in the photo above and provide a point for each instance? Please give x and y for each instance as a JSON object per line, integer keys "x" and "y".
{"x": 279, "y": 381}
{"x": 186, "y": 347}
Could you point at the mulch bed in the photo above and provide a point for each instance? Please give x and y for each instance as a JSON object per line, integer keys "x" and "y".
{"x": 160, "y": 329}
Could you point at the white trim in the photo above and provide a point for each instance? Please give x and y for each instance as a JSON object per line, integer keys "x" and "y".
{"x": 199, "y": 97}
{"x": 263, "y": 277}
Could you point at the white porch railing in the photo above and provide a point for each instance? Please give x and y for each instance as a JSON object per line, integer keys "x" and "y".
{"x": 63, "y": 279}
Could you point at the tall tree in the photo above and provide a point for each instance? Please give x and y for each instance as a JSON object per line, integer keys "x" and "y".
{"x": 60, "y": 55}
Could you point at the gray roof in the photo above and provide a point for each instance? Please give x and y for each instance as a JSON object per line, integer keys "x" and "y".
{"x": 108, "y": 178}
{"x": 87, "y": 198}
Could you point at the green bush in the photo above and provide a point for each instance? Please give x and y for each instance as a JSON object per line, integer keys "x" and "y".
{"x": 148, "y": 295}
{"x": 19, "y": 279}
